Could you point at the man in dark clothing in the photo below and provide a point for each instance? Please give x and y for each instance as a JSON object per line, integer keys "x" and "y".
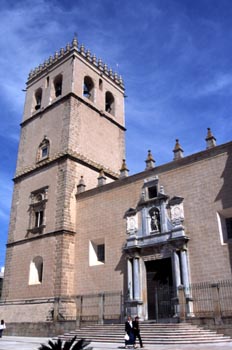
{"x": 136, "y": 331}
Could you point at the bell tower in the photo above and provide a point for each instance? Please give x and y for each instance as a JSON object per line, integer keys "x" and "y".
{"x": 72, "y": 129}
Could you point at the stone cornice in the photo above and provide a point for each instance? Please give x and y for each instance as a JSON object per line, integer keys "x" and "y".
{"x": 67, "y": 154}
{"x": 41, "y": 236}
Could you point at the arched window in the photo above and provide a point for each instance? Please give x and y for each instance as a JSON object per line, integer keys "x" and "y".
{"x": 58, "y": 85}
{"x": 88, "y": 88}
{"x": 43, "y": 150}
{"x": 109, "y": 103}
{"x": 36, "y": 270}
{"x": 38, "y": 98}
{"x": 37, "y": 218}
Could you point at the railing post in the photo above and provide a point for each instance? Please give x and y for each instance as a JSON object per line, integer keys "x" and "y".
{"x": 122, "y": 307}
{"x": 216, "y": 303}
{"x": 56, "y": 309}
{"x": 78, "y": 311}
{"x": 101, "y": 308}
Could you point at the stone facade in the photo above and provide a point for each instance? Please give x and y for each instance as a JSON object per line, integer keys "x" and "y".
{"x": 78, "y": 227}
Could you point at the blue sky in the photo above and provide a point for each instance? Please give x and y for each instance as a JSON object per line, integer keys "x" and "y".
{"x": 174, "y": 56}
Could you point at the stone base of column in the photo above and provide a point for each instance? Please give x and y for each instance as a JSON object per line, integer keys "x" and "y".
{"x": 134, "y": 308}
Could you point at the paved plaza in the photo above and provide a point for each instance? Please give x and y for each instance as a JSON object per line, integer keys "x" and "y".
{"x": 32, "y": 343}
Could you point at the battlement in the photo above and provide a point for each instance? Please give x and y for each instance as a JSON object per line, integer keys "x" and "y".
{"x": 85, "y": 53}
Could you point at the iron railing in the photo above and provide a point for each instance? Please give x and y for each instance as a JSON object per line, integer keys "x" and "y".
{"x": 100, "y": 308}
{"x": 210, "y": 299}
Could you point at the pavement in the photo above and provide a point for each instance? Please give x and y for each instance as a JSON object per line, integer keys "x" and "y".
{"x": 33, "y": 343}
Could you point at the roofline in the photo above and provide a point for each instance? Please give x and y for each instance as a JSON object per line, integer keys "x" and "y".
{"x": 170, "y": 166}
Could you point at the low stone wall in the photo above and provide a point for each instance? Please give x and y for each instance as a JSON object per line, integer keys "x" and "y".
{"x": 39, "y": 329}
{"x": 30, "y": 311}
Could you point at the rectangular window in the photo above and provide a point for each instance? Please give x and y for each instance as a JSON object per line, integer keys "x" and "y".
{"x": 101, "y": 253}
{"x": 225, "y": 225}
{"x": 229, "y": 228}
{"x": 44, "y": 152}
{"x": 38, "y": 218}
{"x": 152, "y": 192}
{"x": 96, "y": 252}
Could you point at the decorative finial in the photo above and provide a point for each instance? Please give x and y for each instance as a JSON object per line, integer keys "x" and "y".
{"x": 75, "y": 42}
{"x": 82, "y": 50}
{"x": 178, "y": 151}
{"x": 210, "y": 139}
{"x": 88, "y": 55}
{"x": 100, "y": 63}
{"x": 105, "y": 68}
{"x": 94, "y": 59}
{"x": 101, "y": 178}
{"x": 150, "y": 162}
{"x": 123, "y": 170}
{"x": 81, "y": 185}
{"x": 111, "y": 73}
{"x": 121, "y": 80}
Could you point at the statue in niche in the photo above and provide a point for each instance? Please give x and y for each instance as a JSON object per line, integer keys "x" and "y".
{"x": 155, "y": 219}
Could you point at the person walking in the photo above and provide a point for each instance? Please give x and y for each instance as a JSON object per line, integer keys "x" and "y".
{"x": 2, "y": 327}
{"x": 136, "y": 330}
{"x": 129, "y": 333}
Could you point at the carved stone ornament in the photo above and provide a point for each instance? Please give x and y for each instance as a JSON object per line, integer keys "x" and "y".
{"x": 177, "y": 214}
{"x": 132, "y": 224}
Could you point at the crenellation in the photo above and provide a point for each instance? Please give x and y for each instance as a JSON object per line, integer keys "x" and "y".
{"x": 84, "y": 53}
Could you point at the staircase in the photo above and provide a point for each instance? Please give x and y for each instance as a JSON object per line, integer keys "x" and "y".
{"x": 151, "y": 333}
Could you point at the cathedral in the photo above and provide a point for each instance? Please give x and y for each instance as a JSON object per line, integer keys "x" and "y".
{"x": 89, "y": 243}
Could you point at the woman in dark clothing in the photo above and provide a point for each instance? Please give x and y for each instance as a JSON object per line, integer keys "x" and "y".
{"x": 136, "y": 330}
{"x": 129, "y": 332}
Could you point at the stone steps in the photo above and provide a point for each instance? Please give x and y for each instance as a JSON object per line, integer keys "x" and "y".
{"x": 152, "y": 333}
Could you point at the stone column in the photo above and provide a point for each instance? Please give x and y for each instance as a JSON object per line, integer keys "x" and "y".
{"x": 176, "y": 280}
{"x": 129, "y": 279}
{"x": 184, "y": 270}
{"x": 176, "y": 269}
{"x": 136, "y": 278}
{"x": 186, "y": 283}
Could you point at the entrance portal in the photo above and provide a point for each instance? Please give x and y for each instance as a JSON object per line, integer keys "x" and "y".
{"x": 159, "y": 289}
